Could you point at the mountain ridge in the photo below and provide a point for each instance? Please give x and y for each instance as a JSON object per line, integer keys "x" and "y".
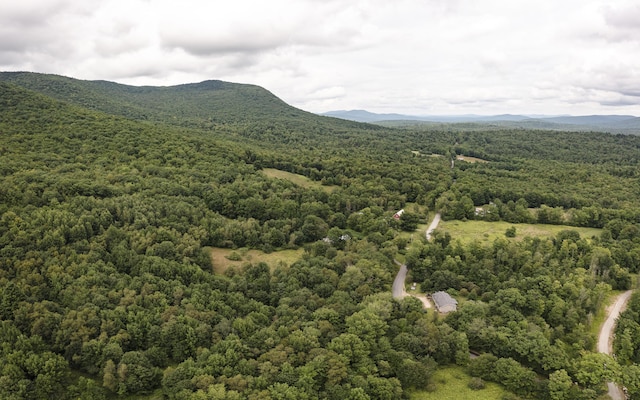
{"x": 212, "y": 102}
{"x": 614, "y": 123}
{"x": 207, "y": 102}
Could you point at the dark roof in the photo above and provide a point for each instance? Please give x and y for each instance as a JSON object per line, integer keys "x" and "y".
{"x": 443, "y": 299}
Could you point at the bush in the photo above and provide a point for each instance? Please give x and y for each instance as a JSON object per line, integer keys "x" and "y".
{"x": 510, "y": 232}
{"x": 476, "y": 384}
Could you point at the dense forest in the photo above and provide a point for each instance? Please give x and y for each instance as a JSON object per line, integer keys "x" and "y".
{"x": 112, "y": 197}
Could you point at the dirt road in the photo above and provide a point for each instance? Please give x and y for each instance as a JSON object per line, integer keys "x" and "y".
{"x": 432, "y": 226}
{"x": 606, "y": 336}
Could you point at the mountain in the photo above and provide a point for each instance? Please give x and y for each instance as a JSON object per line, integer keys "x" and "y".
{"x": 629, "y": 124}
{"x": 366, "y": 116}
{"x": 588, "y": 119}
{"x": 195, "y": 104}
{"x": 606, "y": 123}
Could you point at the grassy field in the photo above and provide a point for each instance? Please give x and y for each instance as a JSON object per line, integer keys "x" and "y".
{"x": 299, "y": 180}
{"x": 451, "y": 384}
{"x": 483, "y": 231}
{"x": 470, "y": 159}
{"x": 220, "y": 257}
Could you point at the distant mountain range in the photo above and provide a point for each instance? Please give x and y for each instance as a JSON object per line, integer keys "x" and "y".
{"x": 608, "y": 123}
{"x": 210, "y": 103}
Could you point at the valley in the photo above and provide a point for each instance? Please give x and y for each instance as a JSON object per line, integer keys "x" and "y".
{"x": 210, "y": 241}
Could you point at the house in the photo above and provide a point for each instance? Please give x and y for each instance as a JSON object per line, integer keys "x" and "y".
{"x": 444, "y": 302}
{"x": 398, "y": 214}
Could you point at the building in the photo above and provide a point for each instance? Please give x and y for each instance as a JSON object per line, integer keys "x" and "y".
{"x": 444, "y": 302}
{"x": 398, "y": 214}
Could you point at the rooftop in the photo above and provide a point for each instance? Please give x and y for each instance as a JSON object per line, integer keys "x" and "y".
{"x": 443, "y": 299}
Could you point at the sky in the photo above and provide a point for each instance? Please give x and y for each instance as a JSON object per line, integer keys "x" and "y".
{"x": 418, "y": 57}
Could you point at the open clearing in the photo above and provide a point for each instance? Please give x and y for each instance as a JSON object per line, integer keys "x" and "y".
{"x": 451, "y": 384}
{"x": 483, "y": 231}
{"x": 299, "y": 180}
{"x": 470, "y": 159}
{"x": 220, "y": 260}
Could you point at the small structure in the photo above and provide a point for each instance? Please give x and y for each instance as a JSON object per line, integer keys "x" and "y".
{"x": 398, "y": 214}
{"x": 444, "y": 302}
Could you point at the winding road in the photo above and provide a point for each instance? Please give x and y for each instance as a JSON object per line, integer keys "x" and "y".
{"x": 606, "y": 332}
{"x": 606, "y": 336}
{"x": 397, "y": 289}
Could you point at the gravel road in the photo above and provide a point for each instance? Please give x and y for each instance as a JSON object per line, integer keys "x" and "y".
{"x": 606, "y": 336}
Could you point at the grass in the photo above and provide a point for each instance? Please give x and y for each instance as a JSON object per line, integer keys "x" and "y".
{"x": 451, "y": 383}
{"x": 470, "y": 159}
{"x": 468, "y": 231}
{"x": 220, "y": 258}
{"x": 299, "y": 180}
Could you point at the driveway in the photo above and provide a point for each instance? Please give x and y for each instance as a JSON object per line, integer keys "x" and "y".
{"x": 432, "y": 227}
{"x": 397, "y": 290}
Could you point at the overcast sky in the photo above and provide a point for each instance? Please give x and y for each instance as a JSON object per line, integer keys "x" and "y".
{"x": 408, "y": 56}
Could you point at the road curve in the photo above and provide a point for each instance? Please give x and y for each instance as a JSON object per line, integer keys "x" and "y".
{"x": 397, "y": 290}
{"x": 432, "y": 227}
{"x": 606, "y": 334}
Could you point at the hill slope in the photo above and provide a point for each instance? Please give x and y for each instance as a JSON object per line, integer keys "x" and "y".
{"x": 204, "y": 103}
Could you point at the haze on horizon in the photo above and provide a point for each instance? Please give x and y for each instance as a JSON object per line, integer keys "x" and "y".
{"x": 436, "y": 57}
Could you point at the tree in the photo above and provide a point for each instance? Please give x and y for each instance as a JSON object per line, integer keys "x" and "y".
{"x": 314, "y": 228}
{"x": 631, "y": 380}
{"x": 559, "y": 385}
{"x": 594, "y": 369}
{"x": 135, "y": 374}
{"x": 109, "y": 379}
{"x": 409, "y": 221}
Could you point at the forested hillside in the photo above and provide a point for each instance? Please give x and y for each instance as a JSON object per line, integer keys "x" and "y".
{"x": 111, "y": 198}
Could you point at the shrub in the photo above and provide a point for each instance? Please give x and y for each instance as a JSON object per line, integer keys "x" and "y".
{"x": 476, "y": 384}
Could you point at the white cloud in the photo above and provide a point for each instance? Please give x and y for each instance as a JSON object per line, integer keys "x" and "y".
{"x": 412, "y": 56}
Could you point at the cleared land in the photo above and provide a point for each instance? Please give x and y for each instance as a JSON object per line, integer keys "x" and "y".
{"x": 471, "y": 159}
{"x": 220, "y": 258}
{"x": 299, "y": 180}
{"x": 451, "y": 384}
{"x": 468, "y": 231}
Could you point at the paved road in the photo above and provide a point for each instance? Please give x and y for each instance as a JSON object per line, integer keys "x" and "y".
{"x": 606, "y": 334}
{"x": 397, "y": 289}
{"x": 432, "y": 227}
{"x": 398, "y": 284}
